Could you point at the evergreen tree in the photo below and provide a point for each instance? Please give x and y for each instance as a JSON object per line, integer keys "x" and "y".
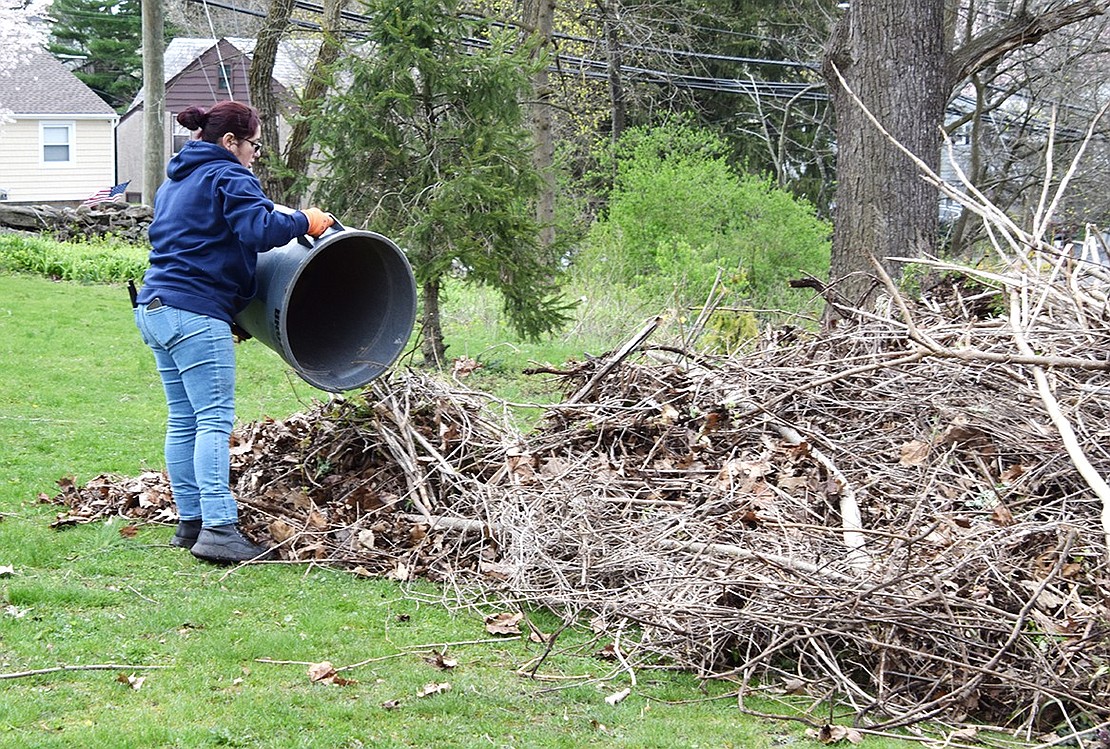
{"x": 425, "y": 141}
{"x": 106, "y": 36}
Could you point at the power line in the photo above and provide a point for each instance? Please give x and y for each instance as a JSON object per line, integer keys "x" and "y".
{"x": 580, "y": 66}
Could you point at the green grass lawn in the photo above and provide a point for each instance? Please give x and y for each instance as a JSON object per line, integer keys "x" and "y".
{"x": 79, "y": 396}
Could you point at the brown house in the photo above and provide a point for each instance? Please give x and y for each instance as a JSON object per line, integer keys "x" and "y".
{"x": 203, "y": 72}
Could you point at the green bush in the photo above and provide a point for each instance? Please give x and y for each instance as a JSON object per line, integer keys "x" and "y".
{"x": 679, "y": 217}
{"x": 95, "y": 261}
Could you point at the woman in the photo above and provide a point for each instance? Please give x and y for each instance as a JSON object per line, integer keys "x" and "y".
{"x": 211, "y": 219}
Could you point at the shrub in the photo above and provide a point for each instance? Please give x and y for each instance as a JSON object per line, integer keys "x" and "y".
{"x": 95, "y": 261}
{"x": 679, "y": 217}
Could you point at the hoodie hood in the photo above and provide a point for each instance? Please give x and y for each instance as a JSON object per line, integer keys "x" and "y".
{"x": 197, "y": 153}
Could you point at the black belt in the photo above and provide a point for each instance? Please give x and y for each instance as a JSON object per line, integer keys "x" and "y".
{"x": 154, "y": 303}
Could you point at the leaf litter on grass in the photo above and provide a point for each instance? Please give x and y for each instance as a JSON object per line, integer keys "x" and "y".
{"x": 884, "y": 512}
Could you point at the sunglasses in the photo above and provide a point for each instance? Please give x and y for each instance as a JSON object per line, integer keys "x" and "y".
{"x": 257, "y": 145}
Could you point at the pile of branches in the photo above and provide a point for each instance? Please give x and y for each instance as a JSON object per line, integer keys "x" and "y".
{"x": 904, "y": 513}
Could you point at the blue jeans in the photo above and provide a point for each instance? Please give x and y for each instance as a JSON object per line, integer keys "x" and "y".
{"x": 195, "y": 355}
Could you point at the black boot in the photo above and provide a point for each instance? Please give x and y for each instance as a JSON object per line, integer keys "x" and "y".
{"x": 224, "y": 544}
{"x": 186, "y": 534}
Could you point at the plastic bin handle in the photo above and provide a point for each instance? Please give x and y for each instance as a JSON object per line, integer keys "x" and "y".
{"x": 307, "y": 241}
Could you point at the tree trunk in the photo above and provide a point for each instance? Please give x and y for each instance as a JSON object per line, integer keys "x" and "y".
{"x": 898, "y": 59}
{"x": 298, "y": 149}
{"x": 261, "y": 83}
{"x": 539, "y": 18}
{"x": 883, "y": 207}
{"x": 433, "y": 348}
{"x": 611, "y": 27}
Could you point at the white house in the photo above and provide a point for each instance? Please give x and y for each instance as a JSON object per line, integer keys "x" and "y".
{"x": 57, "y": 137}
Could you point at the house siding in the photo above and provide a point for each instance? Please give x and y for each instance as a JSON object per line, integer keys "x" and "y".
{"x": 27, "y": 179}
{"x": 130, "y": 135}
{"x": 198, "y": 84}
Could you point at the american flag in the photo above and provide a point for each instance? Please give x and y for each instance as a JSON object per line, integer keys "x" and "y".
{"x": 107, "y": 194}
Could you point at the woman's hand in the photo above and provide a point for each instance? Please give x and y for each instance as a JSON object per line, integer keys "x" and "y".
{"x": 318, "y": 221}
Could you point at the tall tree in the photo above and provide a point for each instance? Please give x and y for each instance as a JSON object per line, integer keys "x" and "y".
{"x": 105, "y": 36}
{"x": 903, "y": 60}
{"x": 260, "y": 80}
{"x": 298, "y": 148}
{"x": 539, "y": 20}
{"x": 425, "y": 141}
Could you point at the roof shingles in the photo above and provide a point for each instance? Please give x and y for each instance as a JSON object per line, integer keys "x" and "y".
{"x": 45, "y": 86}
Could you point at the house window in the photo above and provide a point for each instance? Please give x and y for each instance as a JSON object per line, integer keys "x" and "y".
{"x": 57, "y": 142}
{"x": 225, "y": 78}
{"x": 181, "y": 136}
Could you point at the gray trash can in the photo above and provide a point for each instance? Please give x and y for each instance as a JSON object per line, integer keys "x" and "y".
{"x": 339, "y": 311}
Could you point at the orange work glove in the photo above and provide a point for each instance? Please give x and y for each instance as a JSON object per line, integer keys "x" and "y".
{"x": 318, "y": 221}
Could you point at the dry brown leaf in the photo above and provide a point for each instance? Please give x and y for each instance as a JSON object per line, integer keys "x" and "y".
{"x": 504, "y": 623}
{"x": 320, "y": 671}
{"x": 325, "y": 673}
{"x": 281, "y": 531}
{"x": 668, "y": 415}
{"x": 496, "y": 570}
{"x": 464, "y": 366}
{"x": 914, "y": 453}
{"x": 442, "y": 662}
{"x": 1002, "y": 515}
{"x": 433, "y": 687}
{"x": 521, "y": 466}
{"x": 317, "y": 520}
{"x": 135, "y": 682}
{"x": 829, "y": 734}
{"x": 607, "y": 653}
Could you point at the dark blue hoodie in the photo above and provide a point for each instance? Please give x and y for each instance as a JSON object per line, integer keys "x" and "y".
{"x": 211, "y": 220}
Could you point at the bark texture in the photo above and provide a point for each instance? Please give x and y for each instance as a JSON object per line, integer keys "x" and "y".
{"x": 892, "y": 56}
{"x": 897, "y": 59}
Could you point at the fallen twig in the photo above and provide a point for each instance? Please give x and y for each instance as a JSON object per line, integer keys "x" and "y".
{"x": 88, "y": 667}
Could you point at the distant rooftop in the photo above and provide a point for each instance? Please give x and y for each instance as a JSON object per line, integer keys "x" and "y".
{"x": 294, "y": 57}
{"x": 40, "y": 84}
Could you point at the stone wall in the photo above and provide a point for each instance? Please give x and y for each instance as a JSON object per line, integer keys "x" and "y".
{"x": 128, "y": 221}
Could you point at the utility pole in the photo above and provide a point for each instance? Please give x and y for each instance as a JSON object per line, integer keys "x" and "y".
{"x": 154, "y": 99}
